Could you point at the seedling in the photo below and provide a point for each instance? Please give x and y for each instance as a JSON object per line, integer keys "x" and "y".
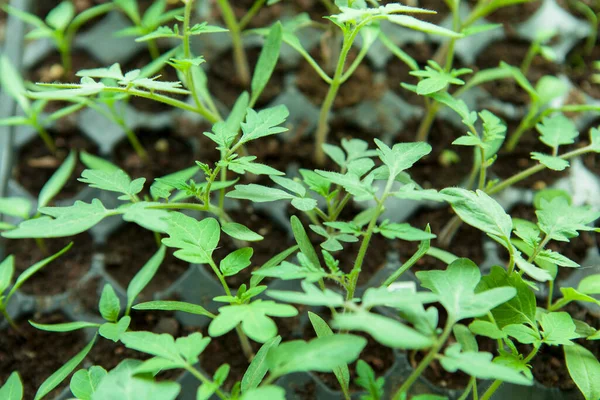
{"x": 60, "y": 26}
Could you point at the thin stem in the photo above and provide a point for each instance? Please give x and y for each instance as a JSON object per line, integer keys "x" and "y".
{"x": 65, "y": 58}
{"x": 323, "y": 124}
{"x": 425, "y": 126}
{"x": 456, "y": 27}
{"x": 531, "y": 52}
{"x": 550, "y": 294}
{"x": 433, "y": 352}
{"x": 468, "y": 389}
{"x": 132, "y": 137}
{"x": 45, "y": 136}
{"x": 251, "y": 13}
{"x": 10, "y": 321}
{"x": 525, "y": 124}
{"x": 153, "y": 49}
{"x": 246, "y": 347}
{"x": 482, "y": 170}
{"x": 239, "y": 54}
{"x": 340, "y": 207}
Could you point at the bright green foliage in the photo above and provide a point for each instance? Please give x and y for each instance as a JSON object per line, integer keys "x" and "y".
{"x": 322, "y": 354}
{"x": 236, "y": 261}
{"x": 434, "y": 78}
{"x": 558, "y": 329}
{"x": 456, "y": 290}
{"x": 312, "y": 296}
{"x": 109, "y": 306}
{"x": 253, "y": 317}
{"x": 584, "y": 369}
{"x": 117, "y": 181}
{"x": 367, "y": 380}
{"x": 258, "y": 367}
{"x": 265, "y": 392}
{"x": 196, "y": 240}
{"x": 560, "y": 221}
{"x": 85, "y": 382}
{"x": 12, "y": 388}
{"x": 557, "y": 130}
{"x": 480, "y": 365}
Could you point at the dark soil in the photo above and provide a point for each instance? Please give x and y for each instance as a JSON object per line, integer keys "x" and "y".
{"x": 167, "y": 153}
{"x": 87, "y": 293}
{"x": 128, "y": 250}
{"x": 266, "y": 16}
{"x": 225, "y": 84}
{"x": 167, "y": 74}
{"x": 36, "y": 165}
{"x": 398, "y": 72}
{"x": 576, "y": 249}
{"x": 58, "y": 276}
{"x": 513, "y": 53}
{"x": 30, "y": 355}
{"x": 276, "y": 239}
{"x": 467, "y": 242}
{"x": 580, "y": 68}
{"x": 549, "y": 366}
{"x": 426, "y": 172}
{"x": 108, "y": 354}
{"x": 358, "y": 88}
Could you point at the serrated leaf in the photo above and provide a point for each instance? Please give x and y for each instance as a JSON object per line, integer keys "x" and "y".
{"x": 487, "y": 329}
{"x": 117, "y": 181}
{"x": 551, "y": 162}
{"x": 196, "y": 240}
{"x": 560, "y": 220}
{"x": 263, "y": 123}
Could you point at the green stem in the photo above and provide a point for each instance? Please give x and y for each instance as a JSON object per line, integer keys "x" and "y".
{"x": 45, "y": 136}
{"x": 340, "y": 207}
{"x": 425, "y": 126}
{"x": 153, "y": 49}
{"x": 251, "y": 13}
{"x": 246, "y": 347}
{"x": 65, "y": 57}
{"x": 468, "y": 389}
{"x": 531, "y": 52}
{"x": 239, "y": 55}
{"x": 133, "y": 139}
{"x": 433, "y": 352}
{"x": 323, "y": 124}
{"x": 10, "y": 321}
{"x": 482, "y": 170}
{"x": 41, "y": 244}
{"x": 550, "y": 294}
{"x": 525, "y": 124}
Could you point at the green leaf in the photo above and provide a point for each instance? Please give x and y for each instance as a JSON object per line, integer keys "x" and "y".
{"x": 401, "y": 156}
{"x": 559, "y": 329}
{"x": 122, "y": 383}
{"x": 487, "y": 329}
{"x": 258, "y": 367}
{"x": 519, "y": 309}
{"x": 266, "y": 61}
{"x": 584, "y": 369}
{"x": 288, "y": 271}
{"x": 321, "y": 354}
{"x": 145, "y": 215}
{"x": 245, "y": 164}
{"x": 196, "y": 239}
{"x": 35, "y": 268}
{"x": 64, "y": 327}
{"x": 386, "y": 331}
{"x": 58, "y": 180}
{"x": 263, "y": 123}
{"x": 323, "y": 330}
{"x": 560, "y": 220}
{"x": 160, "y": 189}
{"x": 144, "y": 276}
{"x": 434, "y": 78}
{"x": 254, "y": 318}
{"x": 109, "y": 305}
{"x": 312, "y": 296}
{"x": 61, "y": 374}
{"x": 240, "y": 232}
{"x": 418, "y": 25}
{"x": 523, "y": 334}
{"x": 456, "y": 290}
{"x": 402, "y": 231}
{"x": 67, "y": 221}
{"x": 15, "y": 206}
{"x": 96, "y": 163}
{"x": 258, "y": 193}
{"x": 117, "y": 181}
{"x": 113, "y": 331}
{"x": 465, "y": 338}
{"x": 551, "y": 162}
{"x": 236, "y": 261}
{"x": 590, "y": 284}
{"x": 7, "y": 270}
{"x": 480, "y": 365}
{"x": 12, "y": 388}
{"x": 304, "y": 242}
{"x": 481, "y": 211}
{"x": 191, "y": 346}
{"x": 84, "y": 382}
{"x": 10, "y": 79}
{"x": 265, "y": 392}
{"x": 366, "y": 379}
{"x": 557, "y": 130}
{"x": 160, "y": 345}
{"x": 166, "y": 305}
{"x": 60, "y": 16}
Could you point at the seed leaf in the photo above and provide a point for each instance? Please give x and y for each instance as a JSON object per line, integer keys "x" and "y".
{"x": 60, "y": 16}
{"x": 61, "y": 374}
{"x": 166, "y": 305}
{"x": 456, "y": 290}
{"x": 196, "y": 239}
{"x": 402, "y": 231}
{"x": 266, "y": 61}
{"x": 144, "y": 276}
{"x": 7, "y": 270}
{"x": 584, "y": 369}
{"x": 312, "y": 296}
{"x": 64, "y": 327}
{"x": 84, "y": 382}
{"x": 386, "y": 331}
{"x": 480, "y": 365}
{"x": 258, "y": 193}
{"x": 366, "y": 379}
{"x": 57, "y": 180}
{"x": 258, "y": 367}
{"x": 254, "y": 318}
{"x": 321, "y": 354}
{"x": 416, "y": 24}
